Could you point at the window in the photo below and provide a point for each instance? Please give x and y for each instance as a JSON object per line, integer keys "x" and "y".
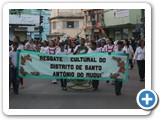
{"x": 70, "y": 24}
{"x": 54, "y": 25}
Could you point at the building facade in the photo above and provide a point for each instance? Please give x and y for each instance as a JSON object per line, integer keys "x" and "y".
{"x": 27, "y": 24}
{"x": 92, "y": 18}
{"x": 66, "y": 22}
{"x": 123, "y": 23}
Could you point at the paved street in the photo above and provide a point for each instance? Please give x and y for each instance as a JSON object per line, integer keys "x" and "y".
{"x": 42, "y": 94}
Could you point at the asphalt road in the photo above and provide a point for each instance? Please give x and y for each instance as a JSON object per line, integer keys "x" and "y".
{"x": 42, "y": 94}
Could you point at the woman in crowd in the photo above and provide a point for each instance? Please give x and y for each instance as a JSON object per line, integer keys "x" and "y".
{"x": 62, "y": 51}
{"x": 129, "y": 51}
{"x": 140, "y": 57}
{"x": 52, "y": 50}
{"x": 110, "y": 47}
{"x": 102, "y": 47}
{"x": 30, "y": 45}
{"x": 44, "y": 48}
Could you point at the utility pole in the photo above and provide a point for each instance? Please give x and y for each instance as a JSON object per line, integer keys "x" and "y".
{"x": 40, "y": 12}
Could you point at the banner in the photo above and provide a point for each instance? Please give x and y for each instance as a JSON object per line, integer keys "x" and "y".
{"x": 94, "y": 66}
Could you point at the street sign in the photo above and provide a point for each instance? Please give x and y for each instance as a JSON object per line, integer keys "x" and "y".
{"x": 24, "y": 19}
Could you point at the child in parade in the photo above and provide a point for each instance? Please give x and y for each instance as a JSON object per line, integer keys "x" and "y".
{"x": 44, "y": 48}
{"x": 93, "y": 49}
{"x": 62, "y": 51}
{"x": 102, "y": 47}
{"x": 13, "y": 63}
{"x": 81, "y": 49}
{"x": 110, "y": 47}
{"x": 118, "y": 83}
{"x": 52, "y": 50}
{"x": 129, "y": 51}
{"x": 73, "y": 46}
{"x": 30, "y": 45}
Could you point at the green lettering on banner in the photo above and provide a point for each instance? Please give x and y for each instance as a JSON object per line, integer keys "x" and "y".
{"x": 93, "y": 66}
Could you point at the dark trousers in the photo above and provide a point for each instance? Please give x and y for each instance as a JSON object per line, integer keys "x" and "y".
{"x": 118, "y": 86}
{"x": 63, "y": 82}
{"x": 14, "y": 80}
{"x": 141, "y": 68}
{"x": 95, "y": 84}
{"x": 130, "y": 62}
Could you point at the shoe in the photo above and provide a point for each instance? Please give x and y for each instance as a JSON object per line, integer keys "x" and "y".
{"x": 118, "y": 94}
{"x": 16, "y": 93}
{"x": 107, "y": 81}
{"x": 54, "y": 82}
{"x": 94, "y": 89}
{"x": 65, "y": 89}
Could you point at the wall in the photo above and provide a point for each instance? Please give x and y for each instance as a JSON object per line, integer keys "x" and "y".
{"x": 70, "y": 31}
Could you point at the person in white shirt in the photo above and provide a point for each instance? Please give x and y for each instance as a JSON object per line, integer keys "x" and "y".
{"x": 93, "y": 49}
{"x": 30, "y": 45}
{"x": 13, "y": 63}
{"x": 20, "y": 47}
{"x": 140, "y": 57}
{"x": 51, "y": 49}
{"x": 118, "y": 83}
{"x": 102, "y": 47}
{"x": 73, "y": 46}
{"x": 129, "y": 51}
{"x": 110, "y": 47}
{"x": 44, "y": 48}
{"x": 62, "y": 51}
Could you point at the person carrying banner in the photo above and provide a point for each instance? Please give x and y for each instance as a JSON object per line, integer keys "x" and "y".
{"x": 44, "y": 48}
{"x": 52, "y": 50}
{"x": 110, "y": 47}
{"x": 62, "y": 51}
{"x": 93, "y": 49}
{"x": 81, "y": 84}
{"x": 102, "y": 47}
{"x": 118, "y": 83}
{"x": 13, "y": 62}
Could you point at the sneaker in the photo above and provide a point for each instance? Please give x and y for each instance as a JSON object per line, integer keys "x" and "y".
{"x": 54, "y": 82}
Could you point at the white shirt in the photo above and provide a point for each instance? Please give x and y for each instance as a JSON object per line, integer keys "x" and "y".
{"x": 128, "y": 50}
{"x": 20, "y": 47}
{"x": 111, "y": 48}
{"x": 122, "y": 51}
{"x": 44, "y": 49}
{"x": 51, "y": 50}
{"x": 59, "y": 52}
{"x": 139, "y": 54}
{"x": 102, "y": 49}
{"x": 13, "y": 55}
{"x": 93, "y": 51}
{"x": 29, "y": 46}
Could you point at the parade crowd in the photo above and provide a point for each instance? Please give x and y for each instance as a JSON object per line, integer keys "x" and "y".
{"x": 134, "y": 49}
